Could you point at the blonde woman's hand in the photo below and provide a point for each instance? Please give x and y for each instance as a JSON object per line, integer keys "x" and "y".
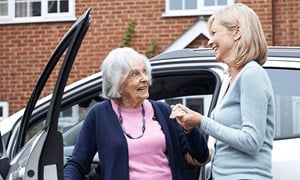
{"x": 186, "y": 117}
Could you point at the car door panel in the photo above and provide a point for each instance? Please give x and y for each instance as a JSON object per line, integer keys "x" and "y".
{"x": 43, "y": 154}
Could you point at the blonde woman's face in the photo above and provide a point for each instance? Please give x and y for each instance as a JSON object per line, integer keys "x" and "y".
{"x": 222, "y": 40}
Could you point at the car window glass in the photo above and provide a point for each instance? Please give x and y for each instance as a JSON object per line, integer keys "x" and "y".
{"x": 70, "y": 126}
{"x": 287, "y": 99}
{"x": 69, "y": 117}
{"x": 34, "y": 129}
{"x": 200, "y": 103}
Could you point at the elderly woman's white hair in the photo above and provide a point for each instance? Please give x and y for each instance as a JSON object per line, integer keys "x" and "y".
{"x": 116, "y": 67}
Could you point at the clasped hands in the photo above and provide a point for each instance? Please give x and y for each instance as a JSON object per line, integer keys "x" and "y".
{"x": 186, "y": 117}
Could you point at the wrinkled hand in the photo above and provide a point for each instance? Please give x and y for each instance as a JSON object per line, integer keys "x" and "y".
{"x": 186, "y": 117}
{"x": 194, "y": 162}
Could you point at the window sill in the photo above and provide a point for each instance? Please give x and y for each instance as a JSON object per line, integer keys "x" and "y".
{"x": 35, "y": 20}
{"x": 207, "y": 11}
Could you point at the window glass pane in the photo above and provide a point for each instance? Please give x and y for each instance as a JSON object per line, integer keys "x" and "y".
{"x": 215, "y": 2}
{"x": 66, "y": 113}
{"x": 287, "y": 99}
{"x": 67, "y": 118}
{"x": 52, "y": 7}
{"x": 27, "y": 9}
{"x": 173, "y": 101}
{"x": 33, "y": 130}
{"x": 222, "y": 2}
{"x": 72, "y": 126}
{"x": 190, "y": 4}
{"x": 64, "y": 6}
{"x": 176, "y": 4}
{"x": 3, "y": 8}
{"x": 296, "y": 114}
{"x": 1, "y": 111}
{"x": 209, "y": 2}
{"x": 21, "y": 9}
{"x": 195, "y": 104}
{"x": 35, "y": 9}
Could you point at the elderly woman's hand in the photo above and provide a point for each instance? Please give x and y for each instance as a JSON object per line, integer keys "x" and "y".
{"x": 194, "y": 162}
{"x": 186, "y": 117}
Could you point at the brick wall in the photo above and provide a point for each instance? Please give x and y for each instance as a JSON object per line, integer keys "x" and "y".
{"x": 286, "y": 22}
{"x": 25, "y": 48}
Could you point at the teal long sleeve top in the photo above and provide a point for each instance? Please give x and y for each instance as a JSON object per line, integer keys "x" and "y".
{"x": 243, "y": 126}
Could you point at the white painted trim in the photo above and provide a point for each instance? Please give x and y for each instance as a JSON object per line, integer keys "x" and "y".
{"x": 4, "y": 105}
{"x": 50, "y": 172}
{"x": 200, "y": 9}
{"x": 45, "y": 17}
{"x": 200, "y": 27}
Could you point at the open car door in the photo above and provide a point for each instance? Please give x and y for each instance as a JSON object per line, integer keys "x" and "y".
{"x": 42, "y": 157}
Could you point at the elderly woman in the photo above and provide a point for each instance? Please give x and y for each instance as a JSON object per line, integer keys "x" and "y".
{"x": 243, "y": 123}
{"x": 134, "y": 137}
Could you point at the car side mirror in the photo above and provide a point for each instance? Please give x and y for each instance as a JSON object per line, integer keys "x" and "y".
{"x": 4, "y": 160}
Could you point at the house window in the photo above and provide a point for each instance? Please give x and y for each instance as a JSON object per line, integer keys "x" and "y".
{"x": 30, "y": 11}
{"x": 3, "y": 110}
{"x": 194, "y": 7}
{"x": 29, "y": 8}
{"x": 58, "y": 6}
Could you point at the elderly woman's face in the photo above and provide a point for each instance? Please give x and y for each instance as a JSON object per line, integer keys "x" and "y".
{"x": 222, "y": 40}
{"x": 136, "y": 85}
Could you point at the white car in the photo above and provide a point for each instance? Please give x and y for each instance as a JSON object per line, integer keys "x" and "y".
{"x": 36, "y": 141}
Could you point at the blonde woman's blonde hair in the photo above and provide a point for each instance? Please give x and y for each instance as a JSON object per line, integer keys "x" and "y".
{"x": 252, "y": 44}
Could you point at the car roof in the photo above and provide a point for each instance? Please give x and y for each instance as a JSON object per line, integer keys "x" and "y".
{"x": 284, "y": 51}
{"x": 274, "y": 51}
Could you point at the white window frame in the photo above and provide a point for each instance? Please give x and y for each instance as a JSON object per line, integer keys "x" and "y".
{"x": 296, "y": 115}
{"x": 4, "y": 105}
{"x": 45, "y": 16}
{"x": 200, "y": 9}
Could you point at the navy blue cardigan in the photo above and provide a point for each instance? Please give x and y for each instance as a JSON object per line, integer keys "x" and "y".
{"x": 101, "y": 132}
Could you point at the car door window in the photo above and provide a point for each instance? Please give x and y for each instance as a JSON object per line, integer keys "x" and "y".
{"x": 200, "y": 103}
{"x": 287, "y": 98}
{"x": 196, "y": 88}
{"x": 70, "y": 126}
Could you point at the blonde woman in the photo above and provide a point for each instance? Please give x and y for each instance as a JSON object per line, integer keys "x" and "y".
{"x": 243, "y": 123}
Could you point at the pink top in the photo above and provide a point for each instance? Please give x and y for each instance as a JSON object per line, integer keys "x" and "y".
{"x": 147, "y": 158}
